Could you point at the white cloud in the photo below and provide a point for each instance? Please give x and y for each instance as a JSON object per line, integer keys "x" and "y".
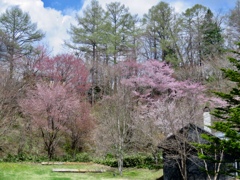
{"x": 180, "y": 6}
{"x": 50, "y": 21}
{"x": 139, "y": 7}
{"x": 56, "y": 23}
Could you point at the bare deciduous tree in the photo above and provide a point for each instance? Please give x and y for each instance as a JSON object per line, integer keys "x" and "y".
{"x": 114, "y": 124}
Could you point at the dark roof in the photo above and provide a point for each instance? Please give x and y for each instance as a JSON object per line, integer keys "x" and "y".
{"x": 192, "y": 134}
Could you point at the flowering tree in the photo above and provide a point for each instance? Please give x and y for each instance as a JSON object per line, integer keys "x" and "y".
{"x": 161, "y": 95}
{"x": 148, "y": 105}
{"x": 154, "y": 79}
{"x": 164, "y": 105}
{"x": 79, "y": 127}
{"x": 65, "y": 68}
{"x": 50, "y": 107}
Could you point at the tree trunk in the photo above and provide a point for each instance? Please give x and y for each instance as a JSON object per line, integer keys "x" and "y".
{"x": 183, "y": 162}
{"x": 120, "y": 163}
{"x": 120, "y": 147}
{"x": 94, "y": 75}
{"x": 50, "y": 150}
{"x": 155, "y": 48}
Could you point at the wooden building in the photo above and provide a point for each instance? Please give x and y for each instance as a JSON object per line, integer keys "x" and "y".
{"x": 180, "y": 156}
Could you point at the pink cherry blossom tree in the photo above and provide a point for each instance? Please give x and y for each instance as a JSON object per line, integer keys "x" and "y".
{"x": 154, "y": 79}
{"x": 79, "y": 127}
{"x": 164, "y": 106}
{"x": 65, "y": 68}
{"x": 50, "y": 107}
{"x": 161, "y": 95}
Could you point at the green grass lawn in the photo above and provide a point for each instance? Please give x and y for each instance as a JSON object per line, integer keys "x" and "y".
{"x": 34, "y": 171}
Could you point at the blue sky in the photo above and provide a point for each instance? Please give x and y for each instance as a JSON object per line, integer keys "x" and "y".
{"x": 54, "y": 17}
{"x": 215, "y": 5}
{"x": 63, "y": 4}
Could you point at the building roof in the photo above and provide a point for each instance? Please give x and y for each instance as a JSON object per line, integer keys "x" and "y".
{"x": 190, "y": 134}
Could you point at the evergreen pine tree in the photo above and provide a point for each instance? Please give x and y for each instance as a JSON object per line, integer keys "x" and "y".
{"x": 18, "y": 35}
{"x": 212, "y": 42}
{"x": 228, "y": 123}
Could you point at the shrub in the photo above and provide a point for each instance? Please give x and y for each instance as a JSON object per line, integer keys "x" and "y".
{"x": 137, "y": 160}
{"x": 80, "y": 157}
{"x": 112, "y": 162}
{"x": 83, "y": 157}
{"x": 24, "y": 157}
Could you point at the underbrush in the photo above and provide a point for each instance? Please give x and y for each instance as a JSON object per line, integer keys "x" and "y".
{"x": 80, "y": 157}
{"x": 136, "y": 160}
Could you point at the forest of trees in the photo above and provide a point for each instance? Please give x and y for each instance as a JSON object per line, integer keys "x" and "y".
{"x": 126, "y": 83}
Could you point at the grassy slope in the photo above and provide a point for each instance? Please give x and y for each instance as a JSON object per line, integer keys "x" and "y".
{"x": 28, "y": 171}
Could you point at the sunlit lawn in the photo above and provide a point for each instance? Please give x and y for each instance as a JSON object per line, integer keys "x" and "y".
{"x": 33, "y": 171}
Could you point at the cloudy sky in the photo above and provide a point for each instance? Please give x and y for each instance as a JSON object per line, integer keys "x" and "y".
{"x": 55, "y": 16}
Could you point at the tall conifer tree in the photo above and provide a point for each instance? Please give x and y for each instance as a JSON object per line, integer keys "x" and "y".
{"x": 19, "y": 34}
{"x": 86, "y": 38}
{"x": 212, "y": 38}
{"x": 228, "y": 124}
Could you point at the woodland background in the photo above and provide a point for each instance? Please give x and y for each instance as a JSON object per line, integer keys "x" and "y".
{"x": 126, "y": 83}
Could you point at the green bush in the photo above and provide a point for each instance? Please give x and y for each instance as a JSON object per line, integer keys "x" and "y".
{"x": 23, "y": 157}
{"x": 83, "y": 157}
{"x": 80, "y": 157}
{"x": 138, "y": 160}
{"x": 112, "y": 162}
{"x": 134, "y": 161}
